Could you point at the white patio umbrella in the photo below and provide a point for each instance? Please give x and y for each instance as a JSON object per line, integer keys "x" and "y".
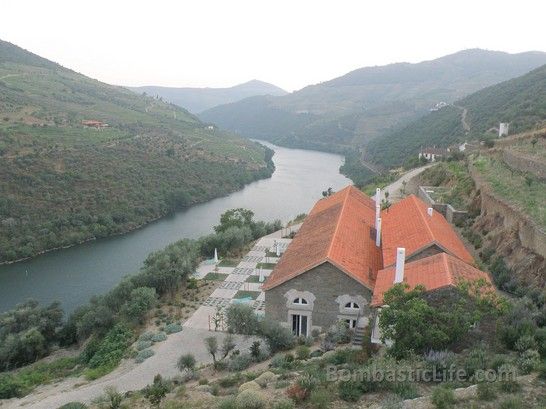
{"x": 262, "y": 278}
{"x": 216, "y": 256}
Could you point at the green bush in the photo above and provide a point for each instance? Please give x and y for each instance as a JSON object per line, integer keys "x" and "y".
{"x": 509, "y": 385}
{"x": 283, "y": 403}
{"x": 443, "y": 397}
{"x": 239, "y": 362}
{"x": 159, "y": 337}
{"x": 241, "y": 319}
{"x": 173, "y": 328}
{"x": 250, "y": 399}
{"x": 486, "y": 391}
{"x": 140, "y": 345}
{"x": 278, "y": 337}
{"x": 303, "y": 352}
{"x": 349, "y": 391}
{"x": 144, "y": 355}
{"x": 73, "y": 405}
{"x": 320, "y": 398}
{"x": 10, "y": 387}
{"x": 228, "y": 403}
{"x": 111, "y": 349}
{"x": 511, "y": 403}
{"x": 528, "y": 361}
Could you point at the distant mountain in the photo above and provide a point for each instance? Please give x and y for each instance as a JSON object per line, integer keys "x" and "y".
{"x": 520, "y": 101}
{"x": 81, "y": 159}
{"x": 200, "y": 99}
{"x": 351, "y": 110}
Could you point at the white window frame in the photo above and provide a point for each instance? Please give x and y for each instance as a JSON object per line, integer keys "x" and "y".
{"x": 300, "y": 301}
{"x": 352, "y": 306}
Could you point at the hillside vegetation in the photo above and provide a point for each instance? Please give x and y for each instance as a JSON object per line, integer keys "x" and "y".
{"x": 199, "y": 99}
{"x": 520, "y": 101}
{"x": 62, "y": 183}
{"x": 349, "y": 111}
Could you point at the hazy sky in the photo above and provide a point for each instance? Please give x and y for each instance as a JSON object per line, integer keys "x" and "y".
{"x": 289, "y": 43}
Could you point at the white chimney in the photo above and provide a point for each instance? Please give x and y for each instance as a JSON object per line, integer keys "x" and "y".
{"x": 400, "y": 261}
{"x": 378, "y": 232}
{"x": 429, "y": 211}
{"x": 377, "y": 213}
{"x": 377, "y": 196}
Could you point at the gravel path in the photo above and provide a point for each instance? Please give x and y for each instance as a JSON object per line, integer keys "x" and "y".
{"x": 128, "y": 376}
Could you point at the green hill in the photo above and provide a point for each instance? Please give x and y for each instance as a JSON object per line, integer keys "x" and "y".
{"x": 351, "y": 110}
{"x": 200, "y": 99}
{"x": 62, "y": 182}
{"x": 520, "y": 101}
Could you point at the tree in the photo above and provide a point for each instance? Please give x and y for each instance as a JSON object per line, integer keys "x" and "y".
{"x": 228, "y": 345}
{"x": 235, "y": 218}
{"x": 211, "y": 343}
{"x": 142, "y": 300}
{"x": 415, "y": 324}
{"x": 156, "y": 391}
{"x": 241, "y": 319}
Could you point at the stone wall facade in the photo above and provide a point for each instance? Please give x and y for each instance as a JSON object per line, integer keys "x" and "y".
{"x": 451, "y": 214}
{"x": 330, "y": 289}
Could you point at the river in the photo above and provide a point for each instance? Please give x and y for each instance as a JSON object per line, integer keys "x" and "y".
{"x": 73, "y": 275}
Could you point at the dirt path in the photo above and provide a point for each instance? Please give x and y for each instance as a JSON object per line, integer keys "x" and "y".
{"x": 129, "y": 376}
{"x": 464, "y": 123}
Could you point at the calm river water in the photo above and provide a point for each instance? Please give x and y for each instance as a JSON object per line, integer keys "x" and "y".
{"x": 73, "y": 275}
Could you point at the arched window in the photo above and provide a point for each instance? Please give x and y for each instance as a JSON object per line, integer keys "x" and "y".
{"x": 352, "y": 305}
{"x": 300, "y": 301}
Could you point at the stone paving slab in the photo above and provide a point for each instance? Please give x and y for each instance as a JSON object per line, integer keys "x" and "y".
{"x": 226, "y": 270}
{"x": 231, "y": 285}
{"x": 223, "y": 293}
{"x": 252, "y": 259}
{"x": 203, "y": 269}
{"x": 265, "y": 272}
{"x": 237, "y": 277}
{"x": 246, "y": 264}
{"x": 217, "y": 302}
{"x": 244, "y": 270}
{"x": 252, "y": 287}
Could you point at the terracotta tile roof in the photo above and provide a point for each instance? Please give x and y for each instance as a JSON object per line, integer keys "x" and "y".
{"x": 337, "y": 230}
{"x": 407, "y": 224}
{"x": 434, "y": 272}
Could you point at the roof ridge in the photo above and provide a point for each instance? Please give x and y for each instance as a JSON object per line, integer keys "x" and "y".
{"x": 338, "y": 222}
{"x": 424, "y": 218}
{"x": 446, "y": 265}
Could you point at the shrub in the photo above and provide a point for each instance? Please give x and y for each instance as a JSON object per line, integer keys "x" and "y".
{"x": 528, "y": 361}
{"x": 74, "y": 405}
{"x": 443, "y": 398}
{"x": 140, "y": 345}
{"x": 542, "y": 370}
{"x": 173, "y": 328}
{"x": 281, "y": 361}
{"x": 203, "y": 381}
{"x": 229, "y": 381}
{"x": 303, "y": 352}
{"x": 147, "y": 336}
{"x": 157, "y": 390}
{"x": 297, "y": 393}
{"x": 250, "y": 399}
{"x": 159, "y": 337}
{"x": 486, "y": 391}
{"x": 283, "y": 404}
{"x": 278, "y": 337}
{"x": 228, "y": 403}
{"x": 141, "y": 300}
{"x": 406, "y": 390}
{"x": 186, "y": 363}
{"x": 10, "y": 387}
{"x": 475, "y": 361}
{"x": 241, "y": 319}
{"x": 308, "y": 382}
{"x": 111, "y": 349}
{"x": 266, "y": 378}
{"x": 113, "y": 397}
{"x": 249, "y": 385}
{"x": 511, "y": 403}
{"x": 349, "y": 391}
{"x": 525, "y": 342}
{"x": 144, "y": 355}
{"x": 509, "y": 385}
{"x": 320, "y": 398}
{"x": 239, "y": 362}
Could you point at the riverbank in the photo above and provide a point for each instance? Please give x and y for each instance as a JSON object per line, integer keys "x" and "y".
{"x": 73, "y": 275}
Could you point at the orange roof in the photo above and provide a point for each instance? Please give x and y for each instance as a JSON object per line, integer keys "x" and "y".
{"x": 434, "y": 272}
{"x": 337, "y": 230}
{"x": 407, "y": 224}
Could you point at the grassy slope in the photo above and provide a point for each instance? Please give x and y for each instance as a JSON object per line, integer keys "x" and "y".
{"x": 61, "y": 183}
{"x": 520, "y": 101}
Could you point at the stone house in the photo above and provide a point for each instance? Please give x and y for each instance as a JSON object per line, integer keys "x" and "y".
{"x": 341, "y": 260}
